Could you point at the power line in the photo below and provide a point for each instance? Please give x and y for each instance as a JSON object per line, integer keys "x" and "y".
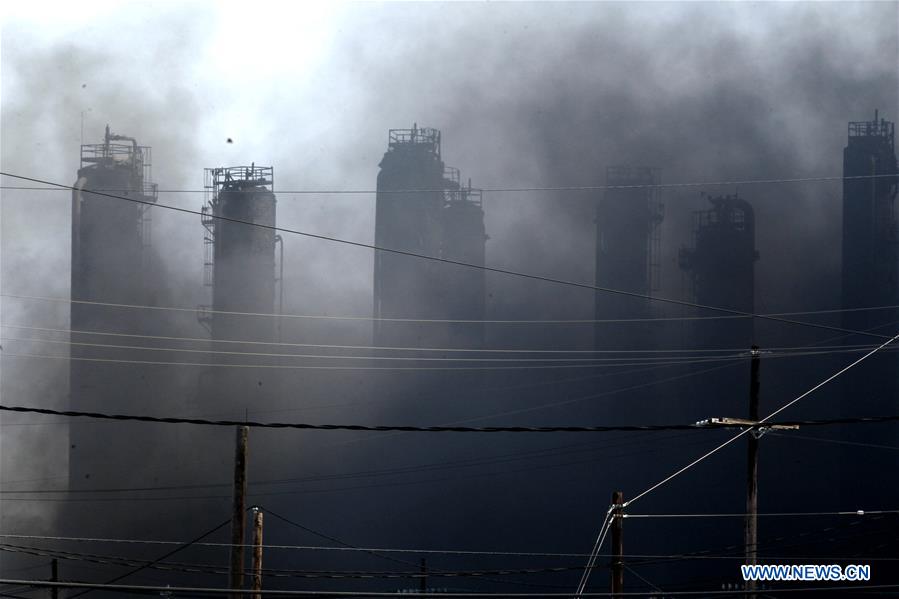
{"x": 350, "y": 427}
{"x": 57, "y": 187}
{"x": 457, "y": 552}
{"x": 155, "y": 561}
{"x": 647, "y": 359}
{"x": 397, "y": 471}
{"x": 679, "y": 358}
{"x": 390, "y": 558}
{"x": 450, "y": 261}
{"x": 273, "y": 572}
{"x": 698, "y": 351}
{"x": 224, "y": 591}
{"x": 528, "y": 386}
{"x": 444, "y": 429}
{"x": 593, "y": 364}
{"x": 373, "y": 368}
{"x": 409, "y": 469}
{"x": 335, "y": 539}
{"x": 555, "y": 404}
{"x": 296, "y": 547}
{"x": 770, "y": 514}
{"x": 444, "y": 320}
{"x": 306, "y": 491}
{"x": 594, "y": 553}
{"x": 778, "y": 541}
{"x": 837, "y": 441}
{"x": 650, "y": 584}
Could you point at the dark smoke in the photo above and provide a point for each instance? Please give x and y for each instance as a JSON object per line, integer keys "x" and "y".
{"x": 526, "y": 95}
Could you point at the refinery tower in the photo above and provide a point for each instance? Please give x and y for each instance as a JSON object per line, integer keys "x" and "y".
{"x": 423, "y": 208}
{"x": 869, "y": 280}
{"x": 111, "y": 264}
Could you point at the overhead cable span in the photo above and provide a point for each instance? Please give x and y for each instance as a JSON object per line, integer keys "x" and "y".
{"x": 443, "y": 429}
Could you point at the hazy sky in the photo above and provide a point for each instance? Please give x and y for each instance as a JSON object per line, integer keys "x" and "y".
{"x": 526, "y": 95}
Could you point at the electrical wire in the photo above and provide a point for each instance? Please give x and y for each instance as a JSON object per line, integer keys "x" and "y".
{"x": 304, "y": 593}
{"x": 469, "y": 463}
{"x": 349, "y": 427}
{"x": 528, "y": 386}
{"x": 444, "y": 429}
{"x": 701, "y": 352}
{"x": 428, "y": 349}
{"x": 774, "y": 514}
{"x": 294, "y": 547}
{"x": 484, "y": 576}
{"x": 738, "y": 551}
{"x": 357, "y": 368}
{"x": 57, "y": 187}
{"x": 650, "y": 584}
{"x": 594, "y": 553}
{"x": 646, "y": 359}
{"x": 438, "y": 259}
{"x": 616, "y": 391}
{"x": 307, "y": 408}
{"x": 157, "y": 560}
{"x": 596, "y": 363}
{"x": 456, "y": 552}
{"x": 444, "y": 320}
{"x": 835, "y": 441}
{"x": 305, "y": 491}
{"x": 276, "y": 573}
{"x": 565, "y": 362}
{"x": 335, "y": 539}
{"x": 567, "y": 449}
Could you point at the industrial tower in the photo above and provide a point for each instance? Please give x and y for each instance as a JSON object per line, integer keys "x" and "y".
{"x": 628, "y": 219}
{"x": 869, "y": 279}
{"x": 464, "y": 240}
{"x": 111, "y": 264}
{"x": 870, "y": 250}
{"x": 421, "y": 207}
{"x": 721, "y": 265}
{"x": 240, "y": 254}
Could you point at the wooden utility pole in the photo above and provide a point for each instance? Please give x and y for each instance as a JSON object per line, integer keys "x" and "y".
{"x": 54, "y": 577}
{"x": 239, "y": 511}
{"x": 423, "y": 579}
{"x": 757, "y": 429}
{"x": 257, "y": 552}
{"x": 617, "y": 544}
{"x": 750, "y": 528}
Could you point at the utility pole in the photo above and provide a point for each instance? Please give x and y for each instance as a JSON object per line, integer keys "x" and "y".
{"x": 617, "y": 544}
{"x": 239, "y": 511}
{"x": 54, "y": 577}
{"x": 757, "y": 429}
{"x": 257, "y": 553}
{"x": 423, "y": 579}
{"x": 750, "y": 528}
